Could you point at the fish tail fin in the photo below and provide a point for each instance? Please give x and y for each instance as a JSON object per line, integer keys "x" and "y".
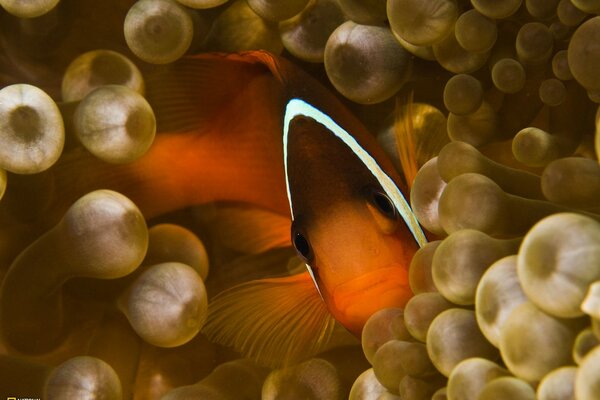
{"x": 276, "y": 321}
{"x": 405, "y": 137}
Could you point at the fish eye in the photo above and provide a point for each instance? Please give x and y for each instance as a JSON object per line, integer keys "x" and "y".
{"x": 384, "y": 204}
{"x": 301, "y": 244}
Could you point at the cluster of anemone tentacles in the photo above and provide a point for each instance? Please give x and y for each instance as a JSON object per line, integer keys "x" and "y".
{"x": 501, "y": 99}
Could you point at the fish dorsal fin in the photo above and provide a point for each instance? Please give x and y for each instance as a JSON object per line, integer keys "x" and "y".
{"x": 276, "y": 322}
{"x": 251, "y": 230}
{"x": 189, "y": 94}
{"x": 405, "y": 139}
{"x": 420, "y": 133}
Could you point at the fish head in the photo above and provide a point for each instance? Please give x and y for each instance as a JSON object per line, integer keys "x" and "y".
{"x": 351, "y": 224}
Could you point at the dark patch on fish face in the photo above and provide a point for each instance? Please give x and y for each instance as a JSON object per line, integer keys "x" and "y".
{"x": 322, "y": 170}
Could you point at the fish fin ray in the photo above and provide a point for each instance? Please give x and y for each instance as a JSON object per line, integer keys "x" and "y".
{"x": 405, "y": 139}
{"x": 420, "y": 133}
{"x": 188, "y": 94}
{"x": 276, "y": 322}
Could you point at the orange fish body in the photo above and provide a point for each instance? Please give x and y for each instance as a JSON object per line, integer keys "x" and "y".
{"x": 221, "y": 119}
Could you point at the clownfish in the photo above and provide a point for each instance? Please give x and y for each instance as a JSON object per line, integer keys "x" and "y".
{"x": 356, "y": 232}
{"x": 254, "y": 128}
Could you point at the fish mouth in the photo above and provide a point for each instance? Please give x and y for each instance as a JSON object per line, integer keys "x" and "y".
{"x": 356, "y": 300}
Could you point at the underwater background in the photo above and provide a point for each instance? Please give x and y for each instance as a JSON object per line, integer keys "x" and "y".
{"x": 487, "y": 108}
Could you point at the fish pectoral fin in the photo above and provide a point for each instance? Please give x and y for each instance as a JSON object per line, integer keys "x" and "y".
{"x": 252, "y": 230}
{"x": 275, "y": 322}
